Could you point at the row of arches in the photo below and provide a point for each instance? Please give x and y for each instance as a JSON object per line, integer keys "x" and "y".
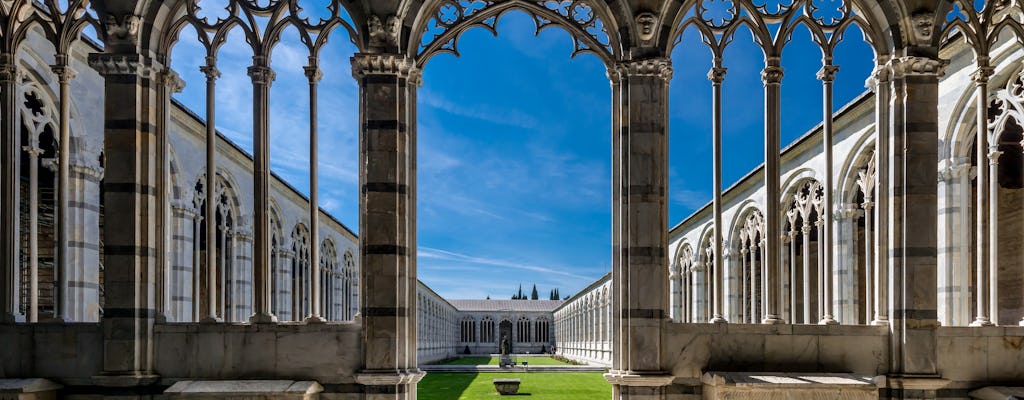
{"x": 197, "y": 290}
{"x": 488, "y": 330}
{"x": 583, "y": 326}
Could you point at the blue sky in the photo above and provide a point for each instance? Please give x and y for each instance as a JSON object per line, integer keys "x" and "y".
{"x": 515, "y": 143}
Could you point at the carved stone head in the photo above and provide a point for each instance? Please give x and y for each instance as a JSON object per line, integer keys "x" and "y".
{"x": 646, "y": 22}
{"x": 923, "y": 24}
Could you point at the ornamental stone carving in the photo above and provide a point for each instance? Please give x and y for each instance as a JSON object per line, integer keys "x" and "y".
{"x": 122, "y": 30}
{"x": 384, "y": 34}
{"x": 121, "y": 64}
{"x": 647, "y": 24}
{"x": 923, "y": 26}
{"x": 656, "y": 67}
{"x": 382, "y": 64}
{"x": 917, "y": 66}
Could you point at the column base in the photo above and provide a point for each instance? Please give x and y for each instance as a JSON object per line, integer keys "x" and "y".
{"x": 718, "y": 319}
{"x": 1021, "y": 323}
{"x": 314, "y": 319}
{"x": 828, "y": 320}
{"x": 880, "y": 322}
{"x": 210, "y": 320}
{"x": 982, "y": 321}
{"x": 911, "y": 382}
{"x": 263, "y": 318}
{"x": 773, "y": 320}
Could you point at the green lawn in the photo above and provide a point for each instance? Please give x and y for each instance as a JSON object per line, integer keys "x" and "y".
{"x": 494, "y": 361}
{"x": 537, "y": 385}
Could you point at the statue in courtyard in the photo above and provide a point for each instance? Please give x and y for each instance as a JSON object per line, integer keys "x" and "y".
{"x": 504, "y": 345}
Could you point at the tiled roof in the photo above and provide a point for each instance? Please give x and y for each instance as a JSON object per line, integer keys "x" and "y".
{"x": 506, "y": 305}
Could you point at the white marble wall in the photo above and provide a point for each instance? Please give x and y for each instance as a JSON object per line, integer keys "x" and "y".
{"x": 437, "y": 324}
{"x": 583, "y": 328}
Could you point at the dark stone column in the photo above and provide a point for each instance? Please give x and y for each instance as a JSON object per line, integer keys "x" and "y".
{"x": 640, "y": 181}
{"x": 387, "y": 148}
{"x": 913, "y": 177}
{"x": 9, "y": 145}
{"x": 130, "y": 183}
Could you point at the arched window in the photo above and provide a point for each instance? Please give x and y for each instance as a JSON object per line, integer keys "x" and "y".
{"x": 468, "y": 331}
{"x": 523, "y": 330}
{"x": 541, "y": 334}
{"x": 300, "y": 270}
{"x": 350, "y": 287}
{"x": 329, "y": 296}
{"x": 487, "y": 330}
{"x": 219, "y": 279}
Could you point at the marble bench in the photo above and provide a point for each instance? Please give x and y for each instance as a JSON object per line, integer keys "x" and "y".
{"x": 506, "y": 386}
{"x": 245, "y": 389}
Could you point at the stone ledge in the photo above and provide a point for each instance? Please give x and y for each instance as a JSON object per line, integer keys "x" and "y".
{"x": 791, "y": 386}
{"x": 998, "y": 393}
{"x": 389, "y": 377}
{"x": 245, "y": 389}
{"x": 630, "y": 378}
{"x": 793, "y": 380}
{"x": 912, "y": 382}
{"x": 30, "y": 385}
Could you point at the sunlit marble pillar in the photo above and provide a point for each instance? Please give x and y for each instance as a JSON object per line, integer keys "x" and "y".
{"x": 262, "y": 76}
{"x": 771, "y": 77}
{"x": 913, "y": 158}
{"x": 993, "y": 227}
{"x": 641, "y": 226}
{"x": 33, "y": 230}
{"x": 806, "y": 258}
{"x": 387, "y": 143}
{"x": 987, "y": 227}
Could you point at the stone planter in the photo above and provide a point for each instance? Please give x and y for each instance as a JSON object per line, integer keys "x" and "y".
{"x": 506, "y": 386}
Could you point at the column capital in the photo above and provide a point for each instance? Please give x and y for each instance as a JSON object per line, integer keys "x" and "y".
{"x": 772, "y": 75}
{"x": 993, "y": 155}
{"x": 112, "y": 64}
{"x": 32, "y": 150}
{"x": 8, "y": 67}
{"x": 313, "y": 73}
{"x": 901, "y": 67}
{"x": 717, "y": 74}
{"x": 981, "y": 75}
{"x": 172, "y": 81}
{"x": 261, "y": 73}
{"x": 881, "y": 75}
{"x": 827, "y": 73}
{"x": 210, "y": 70}
{"x": 365, "y": 64}
{"x": 60, "y": 68}
{"x": 656, "y": 67}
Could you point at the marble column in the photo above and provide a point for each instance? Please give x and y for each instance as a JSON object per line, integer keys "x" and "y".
{"x": 771, "y": 76}
{"x": 33, "y": 230}
{"x": 676, "y": 292}
{"x": 993, "y": 231}
{"x": 913, "y": 157}
{"x": 262, "y": 76}
{"x": 11, "y": 149}
{"x": 182, "y": 270}
{"x": 717, "y": 76}
{"x": 61, "y": 266}
{"x": 955, "y": 244}
{"x": 83, "y": 273}
{"x": 313, "y": 74}
{"x": 640, "y": 149}
{"x": 988, "y": 196}
{"x": 387, "y": 84}
{"x": 880, "y": 82}
{"x": 806, "y": 258}
{"x": 827, "y": 75}
{"x": 210, "y": 190}
{"x": 745, "y": 283}
{"x": 130, "y": 98}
